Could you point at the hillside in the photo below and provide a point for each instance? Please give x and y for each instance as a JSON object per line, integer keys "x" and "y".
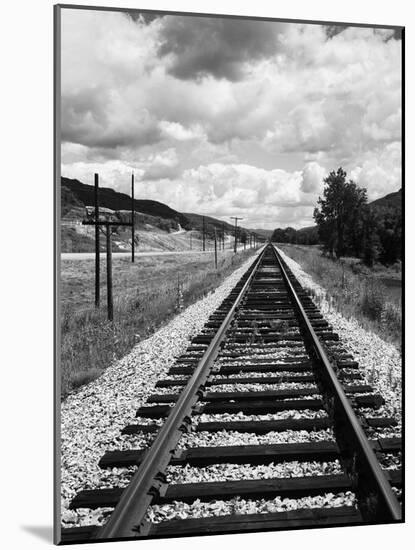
{"x": 158, "y": 227}
{"x": 211, "y": 224}
{"x": 267, "y": 233}
{"x": 75, "y": 194}
{"x": 196, "y": 221}
{"x": 392, "y": 200}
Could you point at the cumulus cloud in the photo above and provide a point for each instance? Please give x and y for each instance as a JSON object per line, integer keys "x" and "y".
{"x": 178, "y": 132}
{"x": 162, "y": 165}
{"x": 380, "y": 170}
{"x": 226, "y": 116}
{"x": 312, "y": 178}
{"x": 201, "y": 46}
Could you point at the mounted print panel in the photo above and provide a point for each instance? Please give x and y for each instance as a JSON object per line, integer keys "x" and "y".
{"x": 229, "y": 255}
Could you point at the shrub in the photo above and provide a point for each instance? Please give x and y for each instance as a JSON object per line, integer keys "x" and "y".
{"x": 354, "y": 290}
{"x": 373, "y": 300}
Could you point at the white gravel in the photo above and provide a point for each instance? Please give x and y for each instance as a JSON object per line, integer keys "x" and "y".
{"x": 256, "y": 374}
{"x": 380, "y": 361}
{"x": 237, "y": 505}
{"x": 281, "y": 415}
{"x": 226, "y": 438}
{"x": 92, "y": 418}
{"x": 262, "y": 387}
{"x": 236, "y": 472}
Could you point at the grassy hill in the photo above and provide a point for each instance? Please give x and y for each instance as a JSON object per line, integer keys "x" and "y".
{"x": 76, "y": 194}
{"x": 211, "y": 224}
{"x": 196, "y": 221}
{"x": 267, "y": 233}
{"x": 392, "y": 200}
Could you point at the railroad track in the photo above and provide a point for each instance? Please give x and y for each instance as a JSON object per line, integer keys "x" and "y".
{"x": 265, "y": 363}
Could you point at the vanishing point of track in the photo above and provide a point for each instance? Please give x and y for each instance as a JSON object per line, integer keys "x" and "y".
{"x": 267, "y": 310}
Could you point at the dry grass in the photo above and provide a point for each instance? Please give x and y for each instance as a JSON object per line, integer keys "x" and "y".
{"x": 146, "y": 296}
{"x": 360, "y": 295}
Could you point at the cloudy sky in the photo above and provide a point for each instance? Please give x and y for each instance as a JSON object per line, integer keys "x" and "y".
{"x": 229, "y": 117}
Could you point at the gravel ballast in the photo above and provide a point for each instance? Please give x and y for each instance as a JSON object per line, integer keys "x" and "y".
{"x": 239, "y": 505}
{"x": 92, "y": 418}
{"x": 236, "y": 472}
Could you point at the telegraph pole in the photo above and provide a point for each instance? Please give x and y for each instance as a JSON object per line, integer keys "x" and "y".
{"x": 204, "y": 235}
{"x": 223, "y": 236}
{"x": 236, "y": 227}
{"x": 96, "y": 242}
{"x": 216, "y": 251}
{"x": 132, "y": 218}
{"x": 106, "y": 225}
{"x": 110, "y": 305}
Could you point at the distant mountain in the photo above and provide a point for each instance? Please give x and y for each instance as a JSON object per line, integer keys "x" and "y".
{"x": 392, "y": 200}
{"x": 264, "y": 232}
{"x": 75, "y": 193}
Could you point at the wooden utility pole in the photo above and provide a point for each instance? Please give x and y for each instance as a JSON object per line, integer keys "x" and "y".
{"x": 96, "y": 241}
{"x": 107, "y": 225}
{"x": 216, "y": 252}
{"x": 132, "y": 219}
{"x": 204, "y": 235}
{"x": 110, "y": 304}
{"x": 236, "y": 229}
{"x": 223, "y": 236}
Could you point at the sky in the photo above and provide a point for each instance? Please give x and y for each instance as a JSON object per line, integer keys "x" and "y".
{"x": 229, "y": 117}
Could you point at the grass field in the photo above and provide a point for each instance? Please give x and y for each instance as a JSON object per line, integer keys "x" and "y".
{"x": 355, "y": 290}
{"x": 146, "y": 296}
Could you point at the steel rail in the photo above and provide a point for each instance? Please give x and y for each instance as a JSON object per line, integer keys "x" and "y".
{"x": 387, "y": 507}
{"x": 128, "y": 515}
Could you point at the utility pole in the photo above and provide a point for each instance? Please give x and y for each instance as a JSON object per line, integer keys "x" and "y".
{"x": 236, "y": 228}
{"x": 132, "y": 218}
{"x": 96, "y": 241}
{"x": 204, "y": 235}
{"x": 110, "y": 305}
{"x": 223, "y": 236}
{"x": 190, "y": 239}
{"x": 106, "y": 225}
{"x": 216, "y": 252}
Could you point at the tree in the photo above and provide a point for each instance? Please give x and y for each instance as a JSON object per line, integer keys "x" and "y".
{"x": 390, "y": 235}
{"x": 370, "y": 238}
{"x": 338, "y": 214}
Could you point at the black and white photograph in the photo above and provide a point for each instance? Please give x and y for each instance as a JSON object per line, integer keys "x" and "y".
{"x": 229, "y": 256}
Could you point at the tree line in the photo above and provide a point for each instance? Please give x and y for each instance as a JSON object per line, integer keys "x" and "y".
{"x": 348, "y": 225}
{"x": 306, "y": 235}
